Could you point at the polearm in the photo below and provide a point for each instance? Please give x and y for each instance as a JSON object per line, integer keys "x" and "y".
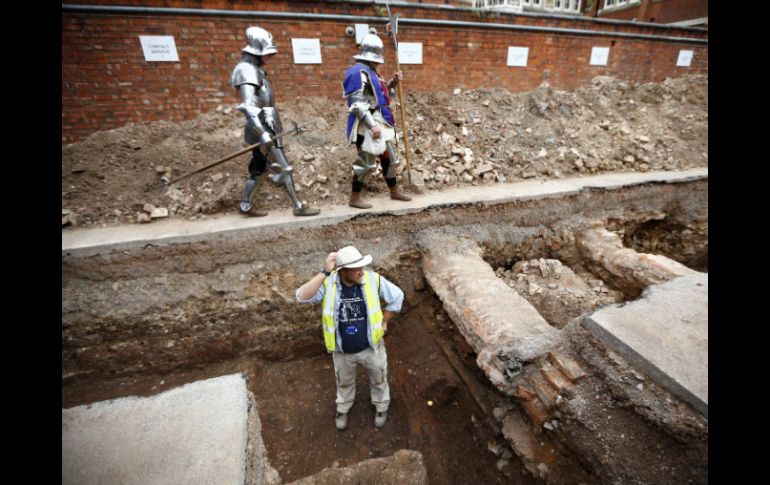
{"x": 297, "y": 129}
{"x": 393, "y": 29}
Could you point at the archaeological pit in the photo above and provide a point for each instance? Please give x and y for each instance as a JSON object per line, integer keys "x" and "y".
{"x": 552, "y": 332}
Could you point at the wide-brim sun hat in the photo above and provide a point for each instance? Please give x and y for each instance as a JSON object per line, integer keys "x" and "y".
{"x": 350, "y": 257}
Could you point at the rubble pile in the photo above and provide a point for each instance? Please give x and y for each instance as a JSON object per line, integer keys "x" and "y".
{"x": 558, "y": 293}
{"x": 464, "y": 138}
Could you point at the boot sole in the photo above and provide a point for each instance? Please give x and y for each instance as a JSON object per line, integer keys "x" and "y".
{"x": 300, "y": 214}
{"x": 250, "y": 213}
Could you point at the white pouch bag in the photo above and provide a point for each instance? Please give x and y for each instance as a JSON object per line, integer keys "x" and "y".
{"x": 371, "y": 145}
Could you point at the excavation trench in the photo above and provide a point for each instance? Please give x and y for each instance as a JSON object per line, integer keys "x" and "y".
{"x": 141, "y": 318}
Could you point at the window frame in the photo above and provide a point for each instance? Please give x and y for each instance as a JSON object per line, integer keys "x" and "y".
{"x": 618, "y": 5}
{"x": 572, "y": 6}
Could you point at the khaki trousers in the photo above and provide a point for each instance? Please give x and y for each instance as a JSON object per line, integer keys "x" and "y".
{"x": 345, "y": 367}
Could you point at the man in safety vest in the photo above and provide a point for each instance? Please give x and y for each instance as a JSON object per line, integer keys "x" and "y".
{"x": 354, "y": 323}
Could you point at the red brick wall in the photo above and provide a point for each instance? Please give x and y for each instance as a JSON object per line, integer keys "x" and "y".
{"x": 106, "y": 82}
{"x": 624, "y": 14}
{"x": 663, "y": 12}
{"x": 677, "y": 10}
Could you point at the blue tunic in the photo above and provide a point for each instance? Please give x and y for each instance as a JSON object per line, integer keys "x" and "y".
{"x": 352, "y": 83}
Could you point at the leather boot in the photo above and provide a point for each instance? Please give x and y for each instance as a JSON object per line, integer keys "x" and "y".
{"x": 306, "y": 211}
{"x": 396, "y": 194}
{"x": 252, "y": 212}
{"x": 355, "y": 201}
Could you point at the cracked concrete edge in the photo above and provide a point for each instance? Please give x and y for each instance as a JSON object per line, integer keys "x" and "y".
{"x": 258, "y": 470}
{"x": 96, "y": 240}
{"x": 193, "y": 433}
{"x": 634, "y": 358}
{"x": 404, "y": 467}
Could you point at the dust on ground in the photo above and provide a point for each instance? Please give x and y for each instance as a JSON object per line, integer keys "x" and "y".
{"x": 469, "y": 137}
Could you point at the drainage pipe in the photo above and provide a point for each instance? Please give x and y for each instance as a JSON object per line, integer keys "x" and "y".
{"x": 109, "y": 9}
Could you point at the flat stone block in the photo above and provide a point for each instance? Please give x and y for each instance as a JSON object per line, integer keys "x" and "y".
{"x": 194, "y": 434}
{"x": 664, "y": 334}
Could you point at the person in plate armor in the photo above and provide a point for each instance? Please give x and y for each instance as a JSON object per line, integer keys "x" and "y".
{"x": 370, "y": 121}
{"x": 250, "y": 79}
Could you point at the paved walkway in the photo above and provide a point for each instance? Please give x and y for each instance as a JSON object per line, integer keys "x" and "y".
{"x": 172, "y": 230}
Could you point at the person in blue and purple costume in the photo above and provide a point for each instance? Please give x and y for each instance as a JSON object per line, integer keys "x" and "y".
{"x": 368, "y": 100}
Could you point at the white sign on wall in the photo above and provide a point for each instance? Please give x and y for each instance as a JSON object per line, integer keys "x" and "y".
{"x": 361, "y": 31}
{"x": 159, "y": 48}
{"x": 410, "y": 52}
{"x": 517, "y": 56}
{"x": 599, "y": 56}
{"x": 685, "y": 58}
{"x": 306, "y": 51}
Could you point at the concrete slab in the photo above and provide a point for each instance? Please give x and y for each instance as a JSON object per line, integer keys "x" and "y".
{"x": 664, "y": 334}
{"x": 194, "y": 434}
{"x": 176, "y": 230}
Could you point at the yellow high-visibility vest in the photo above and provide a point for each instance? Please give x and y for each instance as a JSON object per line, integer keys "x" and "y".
{"x": 373, "y": 310}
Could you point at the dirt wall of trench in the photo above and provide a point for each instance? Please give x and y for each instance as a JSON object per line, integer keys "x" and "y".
{"x": 153, "y": 308}
{"x": 139, "y": 318}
